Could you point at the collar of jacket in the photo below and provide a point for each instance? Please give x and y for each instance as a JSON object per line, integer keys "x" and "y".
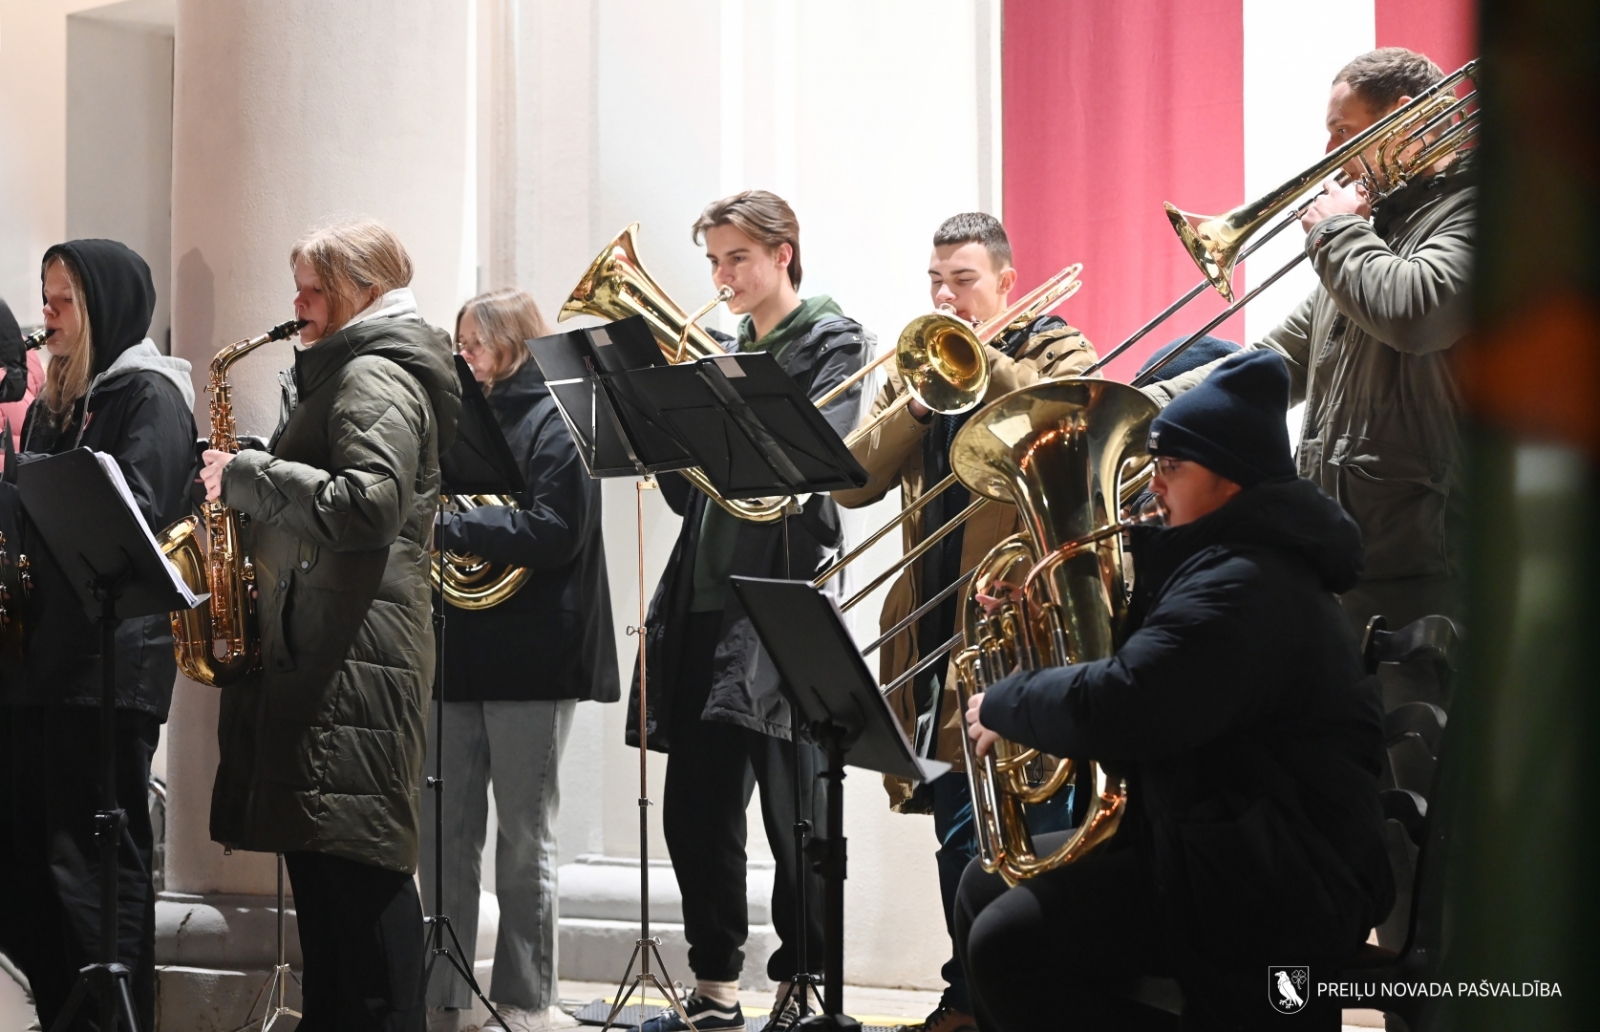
{"x": 408, "y": 342}
{"x": 1419, "y": 193}
{"x": 513, "y": 396}
{"x": 795, "y": 326}
{"x": 1292, "y": 516}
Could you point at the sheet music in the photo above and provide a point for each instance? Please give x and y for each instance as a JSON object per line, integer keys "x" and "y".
{"x": 114, "y": 472}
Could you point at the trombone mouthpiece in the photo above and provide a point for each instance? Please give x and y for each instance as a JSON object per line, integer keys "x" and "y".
{"x": 725, "y": 294}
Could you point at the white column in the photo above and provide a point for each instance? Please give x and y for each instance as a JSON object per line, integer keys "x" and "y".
{"x": 287, "y": 115}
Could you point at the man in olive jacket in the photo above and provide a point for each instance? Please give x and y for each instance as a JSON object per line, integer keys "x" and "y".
{"x": 1368, "y": 352}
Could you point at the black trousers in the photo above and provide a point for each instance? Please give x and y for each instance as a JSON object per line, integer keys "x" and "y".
{"x": 362, "y": 941}
{"x": 711, "y": 770}
{"x": 1065, "y": 950}
{"x": 50, "y": 858}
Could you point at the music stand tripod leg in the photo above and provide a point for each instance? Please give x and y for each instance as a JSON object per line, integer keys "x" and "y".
{"x": 647, "y": 945}
{"x": 439, "y": 923}
{"x": 110, "y": 979}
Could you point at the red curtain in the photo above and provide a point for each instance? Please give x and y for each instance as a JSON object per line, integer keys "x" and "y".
{"x": 1112, "y": 107}
{"x": 1445, "y": 30}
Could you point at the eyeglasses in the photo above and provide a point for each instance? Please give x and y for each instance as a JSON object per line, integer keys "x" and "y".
{"x": 1166, "y": 466}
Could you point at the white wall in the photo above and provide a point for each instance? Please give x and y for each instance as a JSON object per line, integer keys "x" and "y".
{"x": 119, "y": 141}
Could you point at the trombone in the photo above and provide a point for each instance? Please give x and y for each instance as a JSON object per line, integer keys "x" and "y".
{"x": 1401, "y": 152}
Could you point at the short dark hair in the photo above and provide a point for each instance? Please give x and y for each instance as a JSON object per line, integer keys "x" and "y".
{"x": 1381, "y": 77}
{"x": 976, "y": 227}
{"x": 762, "y": 216}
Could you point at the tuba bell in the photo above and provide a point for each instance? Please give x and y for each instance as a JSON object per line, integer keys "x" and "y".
{"x": 1064, "y": 452}
{"x": 219, "y": 642}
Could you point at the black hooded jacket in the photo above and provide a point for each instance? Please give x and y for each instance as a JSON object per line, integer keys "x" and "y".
{"x": 138, "y": 409}
{"x": 744, "y": 680}
{"x": 13, "y": 358}
{"x": 1240, "y": 713}
{"x": 553, "y": 639}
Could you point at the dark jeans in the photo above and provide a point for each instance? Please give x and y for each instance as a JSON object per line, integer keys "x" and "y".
{"x": 361, "y": 937}
{"x": 1065, "y": 950}
{"x": 958, "y": 846}
{"x": 711, "y": 771}
{"x": 50, "y": 858}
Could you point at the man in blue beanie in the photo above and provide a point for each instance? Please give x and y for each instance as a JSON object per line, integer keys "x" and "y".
{"x": 1368, "y": 352}
{"x": 1238, "y": 712}
{"x": 1204, "y": 351}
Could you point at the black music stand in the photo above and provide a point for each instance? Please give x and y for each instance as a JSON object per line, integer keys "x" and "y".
{"x": 102, "y": 544}
{"x": 478, "y": 462}
{"x": 827, "y": 683}
{"x": 754, "y": 433}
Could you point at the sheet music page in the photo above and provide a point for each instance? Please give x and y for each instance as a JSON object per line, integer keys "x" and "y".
{"x": 114, "y": 471}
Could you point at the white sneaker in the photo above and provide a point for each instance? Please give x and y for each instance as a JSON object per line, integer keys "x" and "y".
{"x": 519, "y": 1020}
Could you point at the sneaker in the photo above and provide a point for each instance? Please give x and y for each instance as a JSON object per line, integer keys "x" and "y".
{"x": 444, "y": 1019}
{"x": 705, "y": 1012}
{"x": 519, "y": 1020}
{"x": 943, "y": 1019}
{"x": 785, "y": 1017}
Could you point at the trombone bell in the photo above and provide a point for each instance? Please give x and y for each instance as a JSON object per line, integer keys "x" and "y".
{"x": 943, "y": 363}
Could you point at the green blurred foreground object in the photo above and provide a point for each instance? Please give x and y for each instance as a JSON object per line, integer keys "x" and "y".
{"x": 1523, "y": 767}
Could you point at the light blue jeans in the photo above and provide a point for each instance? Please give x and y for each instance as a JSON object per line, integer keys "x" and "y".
{"x": 516, "y": 747}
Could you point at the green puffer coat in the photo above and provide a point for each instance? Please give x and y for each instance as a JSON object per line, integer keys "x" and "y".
{"x": 323, "y": 749}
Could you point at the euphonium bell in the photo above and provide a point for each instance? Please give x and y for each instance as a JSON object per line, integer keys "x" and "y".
{"x": 469, "y": 581}
{"x": 1060, "y": 452}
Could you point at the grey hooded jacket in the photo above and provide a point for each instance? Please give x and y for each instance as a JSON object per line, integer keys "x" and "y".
{"x": 1368, "y": 352}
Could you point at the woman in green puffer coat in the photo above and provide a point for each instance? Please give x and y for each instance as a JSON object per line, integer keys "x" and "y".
{"x": 321, "y": 751}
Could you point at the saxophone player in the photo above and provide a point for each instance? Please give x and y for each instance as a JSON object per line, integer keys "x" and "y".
{"x": 321, "y": 752}
{"x": 970, "y": 270}
{"x": 1239, "y": 712}
{"x": 108, "y": 388}
{"x": 514, "y": 674}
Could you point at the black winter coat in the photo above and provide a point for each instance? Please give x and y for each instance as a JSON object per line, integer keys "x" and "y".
{"x": 1240, "y": 713}
{"x": 744, "y": 681}
{"x": 139, "y": 411}
{"x": 553, "y": 639}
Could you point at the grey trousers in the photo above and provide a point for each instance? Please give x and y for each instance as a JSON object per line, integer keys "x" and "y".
{"x": 516, "y": 746}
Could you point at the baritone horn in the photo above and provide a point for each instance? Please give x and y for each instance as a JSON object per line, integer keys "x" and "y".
{"x": 1064, "y": 453}
{"x": 218, "y": 642}
{"x": 468, "y": 581}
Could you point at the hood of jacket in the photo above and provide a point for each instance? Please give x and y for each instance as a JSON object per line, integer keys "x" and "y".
{"x": 145, "y": 357}
{"x": 393, "y": 331}
{"x": 119, "y": 295}
{"x": 1292, "y": 516}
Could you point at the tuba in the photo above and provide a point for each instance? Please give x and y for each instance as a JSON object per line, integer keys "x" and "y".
{"x": 217, "y": 643}
{"x": 1064, "y": 452}
{"x": 468, "y": 581}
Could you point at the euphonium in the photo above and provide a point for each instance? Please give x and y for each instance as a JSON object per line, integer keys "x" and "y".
{"x": 471, "y": 582}
{"x": 217, "y": 643}
{"x": 1061, "y": 451}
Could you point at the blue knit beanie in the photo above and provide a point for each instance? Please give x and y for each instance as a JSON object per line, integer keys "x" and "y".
{"x": 1206, "y": 349}
{"x": 1233, "y": 423}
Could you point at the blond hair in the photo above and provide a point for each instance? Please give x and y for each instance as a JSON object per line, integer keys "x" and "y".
{"x": 352, "y": 258}
{"x": 67, "y": 377}
{"x": 505, "y": 318}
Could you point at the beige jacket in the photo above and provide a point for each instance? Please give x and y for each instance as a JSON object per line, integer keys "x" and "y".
{"x": 893, "y": 455}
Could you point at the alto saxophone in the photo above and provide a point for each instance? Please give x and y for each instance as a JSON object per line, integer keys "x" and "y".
{"x": 217, "y": 643}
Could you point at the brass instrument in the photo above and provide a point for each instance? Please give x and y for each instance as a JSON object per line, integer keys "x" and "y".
{"x": 468, "y": 581}
{"x": 1401, "y": 151}
{"x": 942, "y": 359}
{"x": 1063, "y": 452}
{"x": 217, "y": 643}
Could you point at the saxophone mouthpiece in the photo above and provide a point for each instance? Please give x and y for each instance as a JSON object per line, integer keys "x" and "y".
{"x": 36, "y": 339}
{"x": 285, "y": 329}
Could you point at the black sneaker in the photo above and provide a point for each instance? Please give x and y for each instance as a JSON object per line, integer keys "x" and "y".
{"x": 705, "y": 1012}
